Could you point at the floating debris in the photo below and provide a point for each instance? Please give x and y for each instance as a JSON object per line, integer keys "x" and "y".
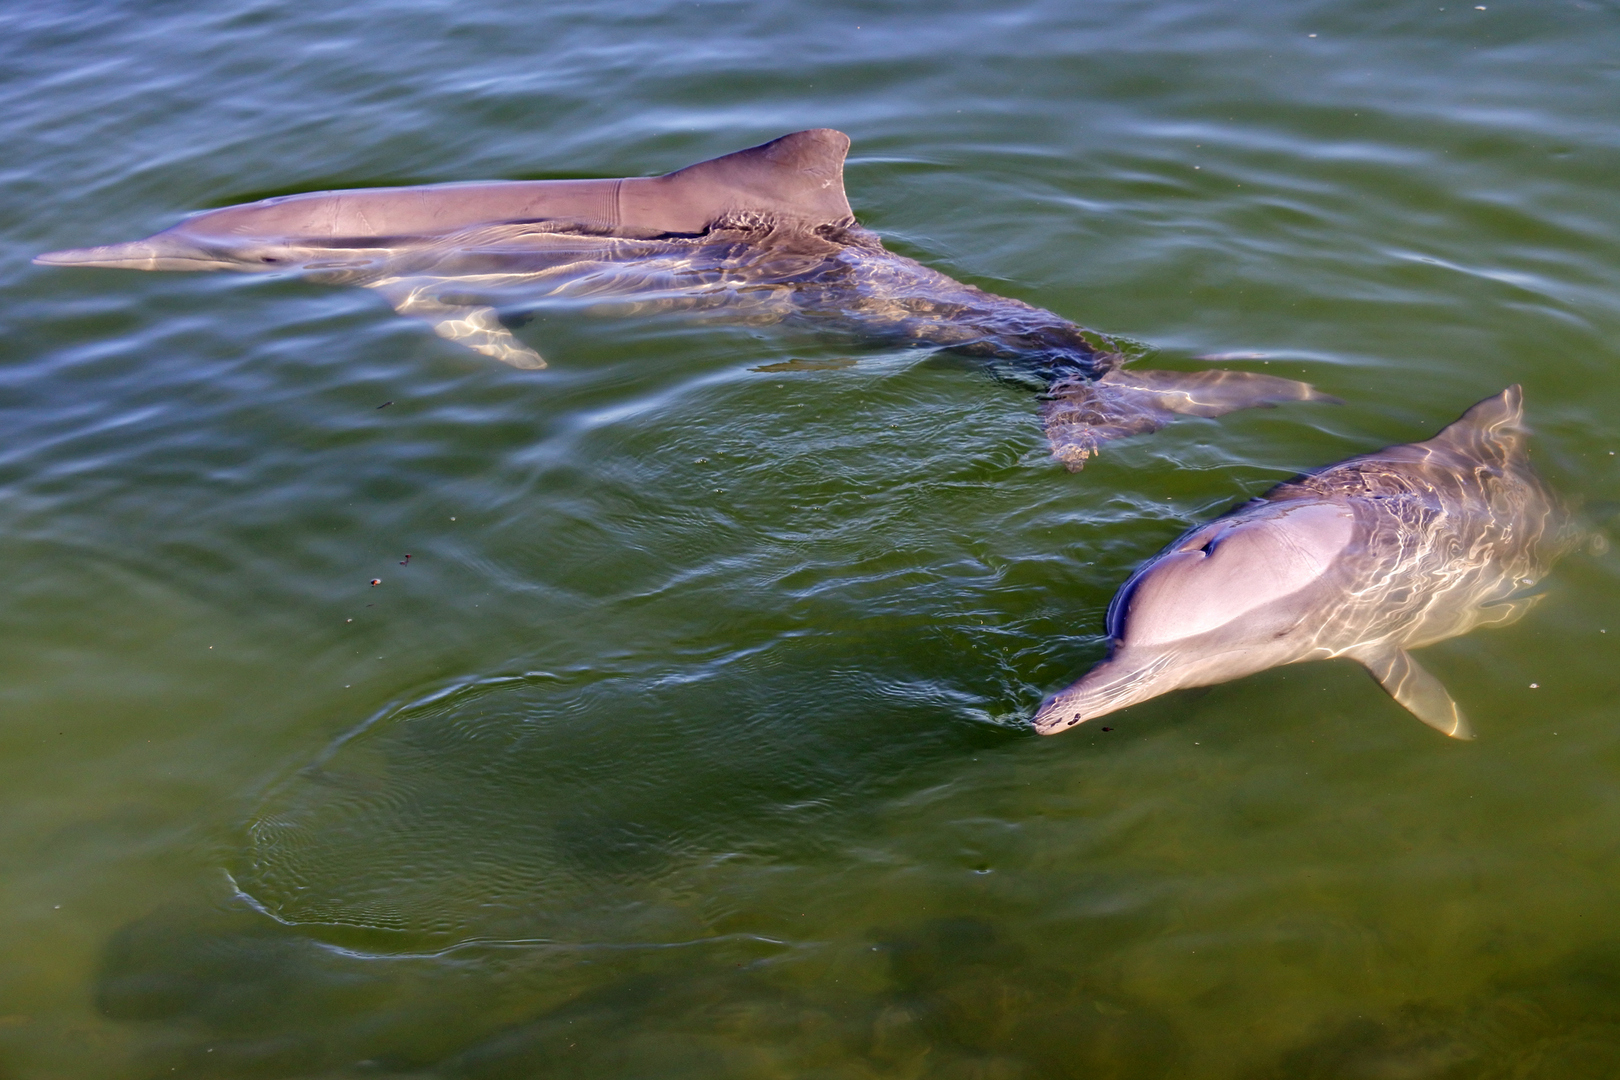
{"x": 837, "y": 364}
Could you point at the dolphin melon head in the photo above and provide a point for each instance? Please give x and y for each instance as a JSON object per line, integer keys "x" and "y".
{"x": 1230, "y": 599}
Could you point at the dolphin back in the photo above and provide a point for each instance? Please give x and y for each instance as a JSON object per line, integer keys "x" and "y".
{"x": 796, "y": 180}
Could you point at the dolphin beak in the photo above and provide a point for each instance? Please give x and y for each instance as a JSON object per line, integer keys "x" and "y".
{"x": 154, "y": 253}
{"x": 1119, "y": 681}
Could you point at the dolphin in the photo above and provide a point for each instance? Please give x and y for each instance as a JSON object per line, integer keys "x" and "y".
{"x": 762, "y": 235}
{"x": 1365, "y": 559}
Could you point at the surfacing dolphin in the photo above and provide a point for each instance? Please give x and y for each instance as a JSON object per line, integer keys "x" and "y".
{"x": 1366, "y": 559}
{"x": 761, "y": 235}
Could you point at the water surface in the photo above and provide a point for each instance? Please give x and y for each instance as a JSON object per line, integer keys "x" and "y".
{"x": 690, "y": 741}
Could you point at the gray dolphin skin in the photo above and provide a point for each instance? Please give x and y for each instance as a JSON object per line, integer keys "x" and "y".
{"x": 762, "y": 235}
{"x": 1366, "y": 559}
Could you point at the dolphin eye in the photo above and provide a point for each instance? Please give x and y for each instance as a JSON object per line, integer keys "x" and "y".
{"x": 268, "y": 258}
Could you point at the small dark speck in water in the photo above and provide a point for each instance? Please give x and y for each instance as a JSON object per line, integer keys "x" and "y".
{"x": 1108, "y": 729}
{"x": 385, "y": 405}
{"x": 807, "y": 365}
{"x": 407, "y": 560}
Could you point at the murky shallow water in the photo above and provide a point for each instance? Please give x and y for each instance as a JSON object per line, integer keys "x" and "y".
{"x": 689, "y": 741}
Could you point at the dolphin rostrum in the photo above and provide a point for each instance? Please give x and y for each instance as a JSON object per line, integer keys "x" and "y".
{"x": 761, "y": 235}
{"x": 1366, "y": 559}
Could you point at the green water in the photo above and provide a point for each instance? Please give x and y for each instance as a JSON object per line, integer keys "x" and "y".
{"x": 690, "y": 742}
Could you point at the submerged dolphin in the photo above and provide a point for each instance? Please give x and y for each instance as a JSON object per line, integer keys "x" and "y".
{"x": 764, "y": 234}
{"x": 1366, "y": 559}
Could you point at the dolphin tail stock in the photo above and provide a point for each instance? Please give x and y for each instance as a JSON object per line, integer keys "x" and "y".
{"x": 1419, "y": 692}
{"x": 478, "y": 328}
{"x": 1080, "y": 414}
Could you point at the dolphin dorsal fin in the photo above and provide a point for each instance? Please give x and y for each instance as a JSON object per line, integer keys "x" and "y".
{"x": 798, "y": 178}
{"x": 1492, "y": 431}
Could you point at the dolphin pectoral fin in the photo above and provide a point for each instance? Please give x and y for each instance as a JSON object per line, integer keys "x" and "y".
{"x": 478, "y": 328}
{"x": 1419, "y": 692}
{"x": 1080, "y": 414}
{"x": 1508, "y": 612}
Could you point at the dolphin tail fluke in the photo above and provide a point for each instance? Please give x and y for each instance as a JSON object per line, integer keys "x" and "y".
{"x": 1419, "y": 692}
{"x": 478, "y": 328}
{"x": 1081, "y": 414}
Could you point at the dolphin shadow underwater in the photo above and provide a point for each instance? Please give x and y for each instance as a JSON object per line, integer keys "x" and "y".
{"x": 761, "y": 235}
{"x": 1366, "y": 559}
